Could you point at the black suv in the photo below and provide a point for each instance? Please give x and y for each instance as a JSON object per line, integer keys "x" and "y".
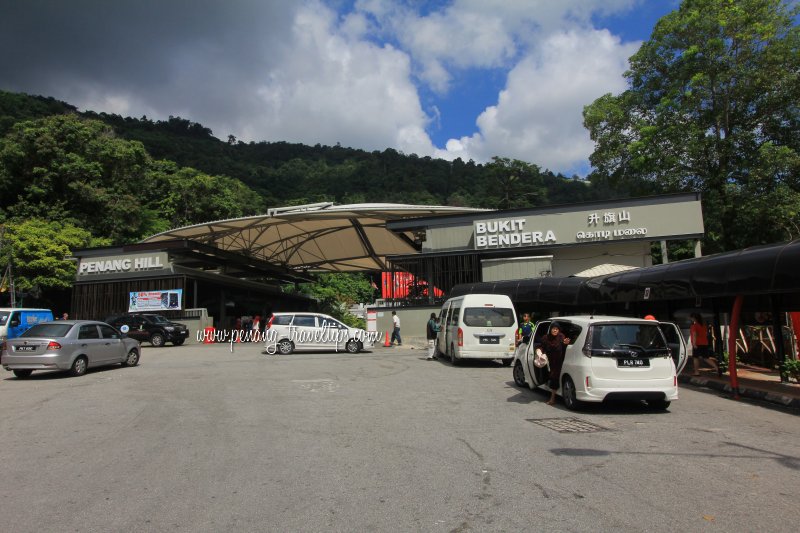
{"x": 151, "y": 328}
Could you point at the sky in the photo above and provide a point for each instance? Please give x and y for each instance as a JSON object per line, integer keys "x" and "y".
{"x": 443, "y": 78}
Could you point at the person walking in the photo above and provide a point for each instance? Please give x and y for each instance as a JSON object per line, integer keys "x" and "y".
{"x": 396, "y": 330}
{"x": 698, "y": 334}
{"x": 553, "y": 346}
{"x": 432, "y": 330}
{"x": 525, "y": 329}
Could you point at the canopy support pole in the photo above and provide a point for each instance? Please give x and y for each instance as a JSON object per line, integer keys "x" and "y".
{"x": 733, "y": 333}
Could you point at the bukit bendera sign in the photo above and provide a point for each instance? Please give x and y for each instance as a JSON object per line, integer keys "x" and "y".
{"x": 651, "y": 222}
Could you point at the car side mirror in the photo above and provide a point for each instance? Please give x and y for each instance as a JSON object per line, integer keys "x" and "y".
{"x": 14, "y": 323}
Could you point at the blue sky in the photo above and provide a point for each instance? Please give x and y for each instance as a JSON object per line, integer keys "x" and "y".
{"x": 463, "y": 78}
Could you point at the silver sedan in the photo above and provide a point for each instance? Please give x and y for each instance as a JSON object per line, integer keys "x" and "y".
{"x": 72, "y": 345}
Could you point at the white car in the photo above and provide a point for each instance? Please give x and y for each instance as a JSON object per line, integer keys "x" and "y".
{"x": 287, "y": 332}
{"x": 609, "y": 358}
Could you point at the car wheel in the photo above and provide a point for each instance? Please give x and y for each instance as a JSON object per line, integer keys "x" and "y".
{"x": 519, "y": 374}
{"x": 569, "y": 395}
{"x": 658, "y": 405}
{"x": 285, "y": 347}
{"x": 79, "y": 366}
{"x": 178, "y": 342}
{"x": 352, "y": 346}
{"x": 157, "y": 340}
{"x": 132, "y": 359}
{"x": 22, "y": 374}
{"x": 507, "y": 362}
{"x": 453, "y": 360}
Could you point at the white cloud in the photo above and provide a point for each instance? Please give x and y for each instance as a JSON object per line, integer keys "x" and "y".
{"x": 538, "y": 117}
{"x": 329, "y": 87}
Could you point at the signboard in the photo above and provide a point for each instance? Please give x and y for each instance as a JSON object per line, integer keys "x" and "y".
{"x": 155, "y": 300}
{"x": 123, "y": 264}
{"x": 658, "y": 220}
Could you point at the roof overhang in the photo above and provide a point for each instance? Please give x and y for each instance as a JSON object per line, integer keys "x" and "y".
{"x": 317, "y": 237}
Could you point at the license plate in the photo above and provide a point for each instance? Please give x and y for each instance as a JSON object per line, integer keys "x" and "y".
{"x": 25, "y": 348}
{"x": 489, "y": 340}
{"x": 633, "y": 363}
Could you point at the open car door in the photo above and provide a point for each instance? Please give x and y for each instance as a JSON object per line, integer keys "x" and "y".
{"x": 676, "y": 343}
{"x": 538, "y": 376}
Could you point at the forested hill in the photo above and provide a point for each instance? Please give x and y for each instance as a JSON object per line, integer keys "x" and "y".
{"x": 287, "y": 173}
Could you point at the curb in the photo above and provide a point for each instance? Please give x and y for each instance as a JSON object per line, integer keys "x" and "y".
{"x": 747, "y": 392}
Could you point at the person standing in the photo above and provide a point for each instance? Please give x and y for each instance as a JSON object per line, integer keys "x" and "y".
{"x": 698, "y": 334}
{"x": 553, "y": 346}
{"x": 432, "y": 330}
{"x": 396, "y": 330}
{"x": 525, "y": 329}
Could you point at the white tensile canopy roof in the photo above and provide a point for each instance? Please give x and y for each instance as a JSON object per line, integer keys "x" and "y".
{"x": 324, "y": 236}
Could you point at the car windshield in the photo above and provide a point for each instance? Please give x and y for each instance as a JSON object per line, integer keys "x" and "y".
{"x": 498, "y": 317}
{"x": 157, "y": 319}
{"x": 4, "y": 317}
{"x": 48, "y": 330}
{"x": 626, "y": 336}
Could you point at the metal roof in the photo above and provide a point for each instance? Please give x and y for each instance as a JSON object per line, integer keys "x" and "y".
{"x": 321, "y": 236}
{"x": 756, "y": 271}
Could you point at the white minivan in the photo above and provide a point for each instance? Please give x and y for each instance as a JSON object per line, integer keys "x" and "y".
{"x": 609, "y": 358}
{"x": 477, "y": 326}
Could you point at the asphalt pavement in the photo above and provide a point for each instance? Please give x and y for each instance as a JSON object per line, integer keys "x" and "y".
{"x": 199, "y": 438}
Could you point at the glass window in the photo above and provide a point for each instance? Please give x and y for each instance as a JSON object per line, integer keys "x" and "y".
{"x": 330, "y": 323}
{"x": 282, "y": 320}
{"x": 4, "y": 317}
{"x": 497, "y": 317}
{"x": 454, "y": 312}
{"x": 108, "y": 332}
{"x": 304, "y": 321}
{"x": 88, "y": 331}
{"x": 620, "y": 336}
{"x": 48, "y": 330}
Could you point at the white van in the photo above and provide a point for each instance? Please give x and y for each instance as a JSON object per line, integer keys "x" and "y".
{"x": 16, "y": 321}
{"x": 477, "y": 326}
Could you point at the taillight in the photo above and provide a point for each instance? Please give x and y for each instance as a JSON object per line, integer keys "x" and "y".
{"x": 517, "y": 336}
{"x": 460, "y": 337}
{"x": 587, "y": 383}
{"x": 269, "y": 322}
{"x": 53, "y": 346}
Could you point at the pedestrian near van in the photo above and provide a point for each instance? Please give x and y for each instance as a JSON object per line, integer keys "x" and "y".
{"x": 396, "y": 330}
{"x": 698, "y": 333}
{"x": 432, "y": 330}
{"x": 525, "y": 329}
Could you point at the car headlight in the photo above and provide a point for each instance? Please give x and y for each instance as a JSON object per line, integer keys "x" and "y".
{"x": 169, "y": 328}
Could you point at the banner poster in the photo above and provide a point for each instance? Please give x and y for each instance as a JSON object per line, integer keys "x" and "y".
{"x": 155, "y": 300}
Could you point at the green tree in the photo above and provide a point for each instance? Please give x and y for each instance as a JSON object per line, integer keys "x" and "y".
{"x": 187, "y": 196}
{"x": 513, "y": 183}
{"x": 712, "y": 106}
{"x": 64, "y": 168}
{"x": 39, "y": 251}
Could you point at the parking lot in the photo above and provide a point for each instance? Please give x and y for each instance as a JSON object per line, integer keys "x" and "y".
{"x": 197, "y": 438}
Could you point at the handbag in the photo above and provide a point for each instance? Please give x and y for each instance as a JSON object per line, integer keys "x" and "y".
{"x": 540, "y": 359}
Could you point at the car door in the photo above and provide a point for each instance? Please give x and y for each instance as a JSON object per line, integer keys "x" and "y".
{"x": 113, "y": 347}
{"x": 333, "y": 334}
{"x": 136, "y": 328}
{"x": 676, "y": 343}
{"x": 91, "y": 344}
{"x": 441, "y": 337}
{"x": 538, "y": 375}
{"x": 306, "y": 334}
